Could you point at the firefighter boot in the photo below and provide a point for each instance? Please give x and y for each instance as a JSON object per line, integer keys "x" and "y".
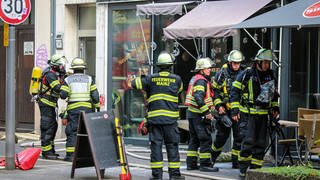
{"x": 243, "y": 166}
{"x": 214, "y": 156}
{"x": 235, "y": 163}
{"x": 177, "y": 178}
{"x": 209, "y": 169}
{"x": 69, "y": 157}
{"x": 49, "y": 155}
{"x": 192, "y": 163}
{"x": 54, "y": 150}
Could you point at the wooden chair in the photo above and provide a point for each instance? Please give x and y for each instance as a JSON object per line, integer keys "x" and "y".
{"x": 310, "y": 129}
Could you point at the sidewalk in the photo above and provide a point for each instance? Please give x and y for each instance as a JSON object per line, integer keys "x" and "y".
{"x": 137, "y": 158}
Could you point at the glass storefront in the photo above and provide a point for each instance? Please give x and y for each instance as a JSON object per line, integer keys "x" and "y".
{"x": 129, "y": 58}
{"x": 304, "y": 70}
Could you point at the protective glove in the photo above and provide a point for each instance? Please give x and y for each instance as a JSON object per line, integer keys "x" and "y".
{"x": 64, "y": 120}
{"x": 143, "y": 128}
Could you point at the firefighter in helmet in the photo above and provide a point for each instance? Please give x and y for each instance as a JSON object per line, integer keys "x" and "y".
{"x": 253, "y": 97}
{"x": 162, "y": 91}
{"x": 83, "y": 95}
{"x": 221, "y": 86}
{"x": 199, "y": 102}
{"x": 51, "y": 80}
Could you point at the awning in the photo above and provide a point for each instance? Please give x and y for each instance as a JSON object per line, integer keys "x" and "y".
{"x": 213, "y": 19}
{"x": 161, "y": 8}
{"x": 301, "y": 13}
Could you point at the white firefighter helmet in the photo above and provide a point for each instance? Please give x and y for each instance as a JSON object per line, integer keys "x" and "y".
{"x": 235, "y": 56}
{"x": 203, "y": 63}
{"x": 164, "y": 59}
{"x": 57, "y": 60}
{"x": 264, "y": 55}
{"x": 78, "y": 63}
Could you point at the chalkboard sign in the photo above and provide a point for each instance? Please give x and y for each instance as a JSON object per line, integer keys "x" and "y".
{"x": 96, "y": 142}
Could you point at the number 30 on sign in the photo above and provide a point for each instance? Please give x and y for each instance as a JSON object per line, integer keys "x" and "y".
{"x": 14, "y": 11}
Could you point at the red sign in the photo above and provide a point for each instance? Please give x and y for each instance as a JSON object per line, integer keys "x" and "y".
{"x": 14, "y": 11}
{"x": 312, "y": 11}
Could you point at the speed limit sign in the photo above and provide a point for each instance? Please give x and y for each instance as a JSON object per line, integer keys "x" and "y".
{"x": 14, "y": 11}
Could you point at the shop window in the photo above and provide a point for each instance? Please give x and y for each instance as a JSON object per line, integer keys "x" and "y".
{"x": 129, "y": 58}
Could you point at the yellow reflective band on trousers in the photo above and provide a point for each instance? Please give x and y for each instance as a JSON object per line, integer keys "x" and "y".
{"x": 47, "y": 102}
{"x": 138, "y": 83}
{"x": 70, "y": 149}
{"x": 204, "y": 155}
{"x": 253, "y": 110}
{"x": 93, "y": 87}
{"x": 235, "y": 152}
{"x": 156, "y": 113}
{"x": 174, "y": 164}
{"x": 54, "y": 83}
{"x": 192, "y": 153}
{"x": 156, "y": 164}
{"x": 256, "y": 162}
{"x": 65, "y": 88}
{"x": 46, "y": 148}
{"x": 161, "y": 96}
{"x": 215, "y": 148}
{"x": 240, "y": 158}
{"x": 79, "y": 104}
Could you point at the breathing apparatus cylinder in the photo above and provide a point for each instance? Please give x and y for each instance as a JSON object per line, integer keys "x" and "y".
{"x": 35, "y": 81}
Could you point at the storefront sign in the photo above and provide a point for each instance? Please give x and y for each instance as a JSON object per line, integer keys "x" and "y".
{"x": 312, "y": 11}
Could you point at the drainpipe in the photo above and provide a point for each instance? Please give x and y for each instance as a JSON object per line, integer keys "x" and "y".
{"x": 53, "y": 26}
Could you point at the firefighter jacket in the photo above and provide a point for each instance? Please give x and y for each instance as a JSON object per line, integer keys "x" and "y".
{"x": 246, "y": 89}
{"x": 199, "y": 96}
{"x": 50, "y": 87}
{"x": 162, "y": 90}
{"x": 81, "y": 92}
{"x": 222, "y": 84}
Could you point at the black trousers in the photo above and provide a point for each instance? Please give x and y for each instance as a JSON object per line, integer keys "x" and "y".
{"x": 254, "y": 129}
{"x": 200, "y": 137}
{"x": 48, "y": 127}
{"x": 169, "y": 134}
{"x": 222, "y": 136}
{"x": 72, "y": 127}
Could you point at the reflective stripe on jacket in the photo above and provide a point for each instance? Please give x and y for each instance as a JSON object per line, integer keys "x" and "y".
{"x": 190, "y": 99}
{"x": 162, "y": 91}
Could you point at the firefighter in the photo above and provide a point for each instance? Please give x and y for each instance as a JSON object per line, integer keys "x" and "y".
{"x": 253, "y": 96}
{"x": 82, "y": 94}
{"x": 162, "y": 91}
{"x": 221, "y": 86}
{"x": 199, "y": 102}
{"x": 48, "y": 96}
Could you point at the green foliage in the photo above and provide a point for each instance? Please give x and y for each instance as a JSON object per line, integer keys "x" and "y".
{"x": 293, "y": 172}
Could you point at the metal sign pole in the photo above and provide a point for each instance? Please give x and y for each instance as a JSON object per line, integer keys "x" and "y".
{"x": 10, "y": 100}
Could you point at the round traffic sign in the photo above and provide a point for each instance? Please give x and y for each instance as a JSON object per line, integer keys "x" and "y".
{"x": 14, "y": 11}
